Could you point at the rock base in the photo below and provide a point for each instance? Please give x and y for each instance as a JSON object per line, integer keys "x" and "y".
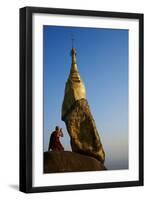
{"x": 66, "y": 161}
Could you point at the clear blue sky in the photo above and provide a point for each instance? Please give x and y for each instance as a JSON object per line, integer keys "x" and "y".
{"x": 102, "y": 58}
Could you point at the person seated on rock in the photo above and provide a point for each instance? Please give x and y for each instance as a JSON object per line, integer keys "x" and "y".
{"x": 55, "y": 144}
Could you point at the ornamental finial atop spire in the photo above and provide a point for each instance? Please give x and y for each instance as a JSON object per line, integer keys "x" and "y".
{"x": 73, "y": 51}
{"x": 72, "y": 41}
{"x": 73, "y": 55}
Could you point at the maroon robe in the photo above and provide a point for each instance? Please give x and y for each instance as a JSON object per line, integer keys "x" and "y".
{"x": 55, "y": 143}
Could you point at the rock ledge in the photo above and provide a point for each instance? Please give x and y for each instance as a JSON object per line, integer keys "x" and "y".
{"x": 67, "y": 161}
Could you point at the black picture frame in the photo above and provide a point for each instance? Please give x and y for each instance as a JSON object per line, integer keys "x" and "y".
{"x": 26, "y": 99}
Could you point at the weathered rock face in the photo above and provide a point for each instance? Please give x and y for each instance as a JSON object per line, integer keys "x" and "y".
{"x": 78, "y": 118}
{"x": 66, "y": 161}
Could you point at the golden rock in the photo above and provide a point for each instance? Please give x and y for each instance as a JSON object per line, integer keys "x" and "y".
{"x": 76, "y": 114}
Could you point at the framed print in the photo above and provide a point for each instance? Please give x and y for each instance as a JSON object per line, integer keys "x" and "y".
{"x": 81, "y": 99}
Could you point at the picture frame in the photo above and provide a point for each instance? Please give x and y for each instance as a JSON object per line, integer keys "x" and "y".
{"x": 27, "y": 138}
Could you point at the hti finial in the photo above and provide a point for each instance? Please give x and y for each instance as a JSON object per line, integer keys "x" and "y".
{"x": 73, "y": 50}
{"x": 72, "y": 38}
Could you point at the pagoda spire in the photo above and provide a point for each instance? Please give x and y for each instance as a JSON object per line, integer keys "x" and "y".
{"x": 74, "y": 74}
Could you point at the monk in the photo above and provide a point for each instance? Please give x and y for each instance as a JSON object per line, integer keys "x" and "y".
{"x": 55, "y": 144}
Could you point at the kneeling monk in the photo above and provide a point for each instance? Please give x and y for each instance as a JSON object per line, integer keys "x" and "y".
{"x": 55, "y": 144}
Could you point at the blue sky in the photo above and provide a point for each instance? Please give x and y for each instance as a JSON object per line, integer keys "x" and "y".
{"x": 102, "y": 59}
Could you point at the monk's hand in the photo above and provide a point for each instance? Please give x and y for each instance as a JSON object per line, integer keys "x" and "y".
{"x": 61, "y": 132}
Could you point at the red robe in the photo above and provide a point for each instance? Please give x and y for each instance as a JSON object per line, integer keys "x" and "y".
{"x": 55, "y": 143}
